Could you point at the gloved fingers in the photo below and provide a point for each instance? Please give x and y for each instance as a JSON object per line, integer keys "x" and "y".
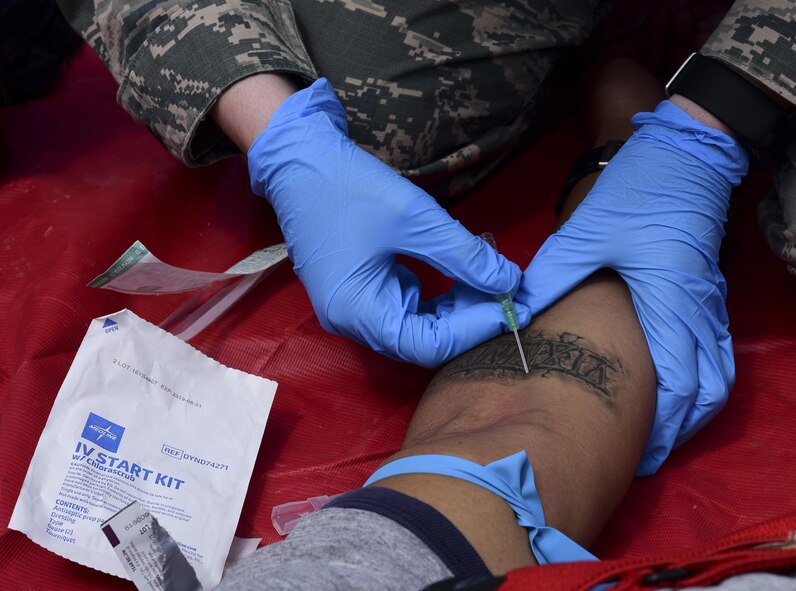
{"x": 781, "y": 240}
{"x": 354, "y": 298}
{"x": 457, "y": 297}
{"x": 685, "y": 321}
{"x": 441, "y": 303}
{"x": 716, "y": 368}
{"x": 674, "y": 354}
{"x": 561, "y": 263}
{"x": 715, "y": 359}
{"x": 409, "y": 285}
{"x": 380, "y": 307}
{"x": 462, "y": 296}
{"x": 433, "y": 236}
{"x": 430, "y": 340}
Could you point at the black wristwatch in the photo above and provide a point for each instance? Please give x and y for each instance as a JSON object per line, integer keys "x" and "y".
{"x": 592, "y": 161}
{"x": 730, "y": 97}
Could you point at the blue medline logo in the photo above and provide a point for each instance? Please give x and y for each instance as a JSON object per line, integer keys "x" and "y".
{"x": 103, "y": 432}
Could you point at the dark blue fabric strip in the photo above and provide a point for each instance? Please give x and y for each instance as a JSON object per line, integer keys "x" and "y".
{"x": 428, "y": 524}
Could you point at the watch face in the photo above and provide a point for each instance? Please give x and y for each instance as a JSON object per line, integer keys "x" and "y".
{"x": 677, "y": 73}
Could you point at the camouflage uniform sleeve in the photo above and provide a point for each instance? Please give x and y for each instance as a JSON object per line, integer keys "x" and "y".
{"x": 757, "y": 38}
{"x": 173, "y": 58}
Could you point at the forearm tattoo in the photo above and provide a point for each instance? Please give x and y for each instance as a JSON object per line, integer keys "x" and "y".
{"x": 565, "y": 355}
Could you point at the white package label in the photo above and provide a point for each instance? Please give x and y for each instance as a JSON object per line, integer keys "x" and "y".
{"x": 143, "y": 416}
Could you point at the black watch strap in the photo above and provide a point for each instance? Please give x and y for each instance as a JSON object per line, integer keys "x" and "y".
{"x": 738, "y": 103}
{"x": 592, "y": 161}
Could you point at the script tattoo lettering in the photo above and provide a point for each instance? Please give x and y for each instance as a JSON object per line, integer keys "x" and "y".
{"x": 547, "y": 356}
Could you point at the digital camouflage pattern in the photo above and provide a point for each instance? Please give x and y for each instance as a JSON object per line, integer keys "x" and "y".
{"x": 430, "y": 87}
{"x": 438, "y": 89}
{"x": 173, "y": 58}
{"x": 758, "y": 37}
{"x": 435, "y": 87}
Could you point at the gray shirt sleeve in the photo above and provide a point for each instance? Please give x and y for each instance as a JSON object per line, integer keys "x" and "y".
{"x": 345, "y": 549}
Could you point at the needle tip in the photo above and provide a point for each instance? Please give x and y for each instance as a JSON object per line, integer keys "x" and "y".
{"x": 522, "y": 353}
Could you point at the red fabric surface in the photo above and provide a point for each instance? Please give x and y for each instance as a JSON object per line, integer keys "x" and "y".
{"x": 85, "y": 181}
{"x": 755, "y": 549}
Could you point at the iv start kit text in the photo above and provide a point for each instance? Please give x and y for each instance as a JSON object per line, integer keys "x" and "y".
{"x": 144, "y": 417}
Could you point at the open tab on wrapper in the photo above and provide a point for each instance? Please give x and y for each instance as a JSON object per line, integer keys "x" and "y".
{"x": 287, "y": 515}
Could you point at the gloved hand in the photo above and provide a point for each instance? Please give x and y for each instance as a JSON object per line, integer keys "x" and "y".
{"x": 345, "y": 215}
{"x": 656, "y": 216}
{"x": 776, "y": 214}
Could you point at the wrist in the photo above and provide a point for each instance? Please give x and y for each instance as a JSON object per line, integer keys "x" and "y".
{"x": 302, "y": 133}
{"x": 245, "y": 108}
{"x": 684, "y": 137}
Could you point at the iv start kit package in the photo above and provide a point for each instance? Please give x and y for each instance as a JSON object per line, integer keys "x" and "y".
{"x": 143, "y": 416}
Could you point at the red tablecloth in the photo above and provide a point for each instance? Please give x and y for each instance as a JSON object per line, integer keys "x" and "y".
{"x": 85, "y": 181}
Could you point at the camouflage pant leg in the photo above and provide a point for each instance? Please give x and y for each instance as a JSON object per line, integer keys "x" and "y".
{"x": 439, "y": 90}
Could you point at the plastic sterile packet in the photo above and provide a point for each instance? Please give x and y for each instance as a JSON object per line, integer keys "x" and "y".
{"x": 143, "y": 416}
{"x": 284, "y": 517}
{"x": 138, "y": 271}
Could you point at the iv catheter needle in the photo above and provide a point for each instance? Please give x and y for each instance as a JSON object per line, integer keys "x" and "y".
{"x": 522, "y": 353}
{"x": 507, "y": 305}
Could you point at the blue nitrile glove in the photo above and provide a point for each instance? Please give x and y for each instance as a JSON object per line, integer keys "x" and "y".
{"x": 345, "y": 215}
{"x": 656, "y": 215}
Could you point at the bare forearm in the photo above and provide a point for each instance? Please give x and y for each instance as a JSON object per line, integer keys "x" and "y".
{"x": 245, "y": 108}
{"x": 582, "y": 415}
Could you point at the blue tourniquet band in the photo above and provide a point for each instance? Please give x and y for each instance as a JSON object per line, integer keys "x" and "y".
{"x": 510, "y": 478}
